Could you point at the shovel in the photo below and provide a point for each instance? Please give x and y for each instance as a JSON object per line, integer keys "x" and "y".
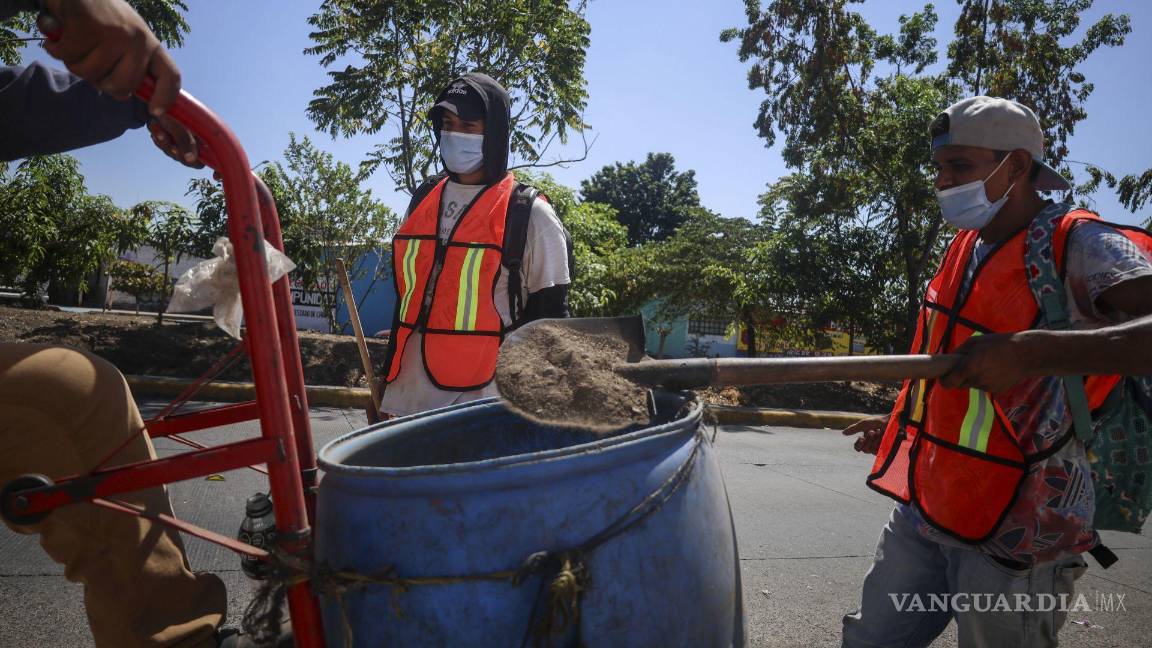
{"x": 692, "y": 373}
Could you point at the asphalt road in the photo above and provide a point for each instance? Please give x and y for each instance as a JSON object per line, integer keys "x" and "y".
{"x": 806, "y": 525}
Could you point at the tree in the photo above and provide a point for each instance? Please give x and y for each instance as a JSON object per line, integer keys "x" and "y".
{"x": 651, "y": 198}
{"x": 394, "y": 58}
{"x": 858, "y": 139}
{"x": 1011, "y": 48}
{"x": 171, "y": 235}
{"x": 1134, "y": 191}
{"x": 140, "y": 280}
{"x": 55, "y": 233}
{"x": 165, "y": 17}
{"x": 693, "y": 273}
{"x": 324, "y": 214}
{"x": 811, "y": 271}
{"x": 597, "y": 238}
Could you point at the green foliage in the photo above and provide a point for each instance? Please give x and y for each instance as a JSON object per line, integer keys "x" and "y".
{"x": 597, "y": 238}
{"x": 1021, "y": 49}
{"x": 140, "y": 280}
{"x": 814, "y": 272}
{"x": 696, "y": 272}
{"x": 171, "y": 233}
{"x": 165, "y": 17}
{"x": 1134, "y": 191}
{"x": 693, "y": 272}
{"x": 324, "y": 213}
{"x": 54, "y": 232}
{"x": 211, "y": 221}
{"x": 391, "y": 59}
{"x": 651, "y": 198}
{"x": 851, "y": 108}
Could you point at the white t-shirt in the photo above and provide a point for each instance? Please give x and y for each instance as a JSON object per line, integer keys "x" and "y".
{"x": 545, "y": 265}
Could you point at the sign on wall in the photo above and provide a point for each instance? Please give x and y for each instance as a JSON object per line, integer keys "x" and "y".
{"x": 310, "y": 305}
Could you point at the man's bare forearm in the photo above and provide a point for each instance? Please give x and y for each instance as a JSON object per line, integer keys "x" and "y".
{"x": 1121, "y": 349}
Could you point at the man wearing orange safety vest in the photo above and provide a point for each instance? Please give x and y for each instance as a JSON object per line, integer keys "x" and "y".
{"x": 995, "y": 491}
{"x": 451, "y": 273}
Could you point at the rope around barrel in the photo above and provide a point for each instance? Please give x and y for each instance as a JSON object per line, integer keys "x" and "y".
{"x": 565, "y": 575}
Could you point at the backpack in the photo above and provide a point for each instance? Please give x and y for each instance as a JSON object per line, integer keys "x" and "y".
{"x": 515, "y": 237}
{"x": 1117, "y": 437}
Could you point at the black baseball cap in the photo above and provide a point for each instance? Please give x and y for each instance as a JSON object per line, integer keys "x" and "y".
{"x": 461, "y": 98}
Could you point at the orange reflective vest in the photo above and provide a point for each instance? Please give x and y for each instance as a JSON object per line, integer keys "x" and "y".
{"x": 461, "y": 329}
{"x": 953, "y": 452}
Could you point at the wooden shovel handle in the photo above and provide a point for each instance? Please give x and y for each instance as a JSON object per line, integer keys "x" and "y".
{"x": 373, "y": 411}
{"x": 722, "y": 372}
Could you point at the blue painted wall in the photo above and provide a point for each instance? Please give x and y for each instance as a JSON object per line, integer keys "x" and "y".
{"x": 374, "y": 292}
{"x": 679, "y": 343}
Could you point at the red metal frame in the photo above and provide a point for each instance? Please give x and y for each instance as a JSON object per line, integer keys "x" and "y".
{"x": 281, "y": 403}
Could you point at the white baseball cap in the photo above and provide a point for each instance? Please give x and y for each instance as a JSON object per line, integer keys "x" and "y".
{"x": 1000, "y": 125}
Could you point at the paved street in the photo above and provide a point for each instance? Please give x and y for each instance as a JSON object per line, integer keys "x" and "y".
{"x": 806, "y": 523}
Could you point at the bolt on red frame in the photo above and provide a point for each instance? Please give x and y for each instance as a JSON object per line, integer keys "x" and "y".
{"x": 281, "y": 404}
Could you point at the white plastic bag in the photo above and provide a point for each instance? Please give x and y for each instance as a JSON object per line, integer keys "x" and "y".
{"x": 214, "y": 283}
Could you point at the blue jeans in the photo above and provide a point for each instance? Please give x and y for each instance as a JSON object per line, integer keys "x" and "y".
{"x": 916, "y": 586}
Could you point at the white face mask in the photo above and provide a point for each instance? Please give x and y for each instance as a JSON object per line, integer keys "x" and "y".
{"x": 462, "y": 152}
{"x": 967, "y": 206}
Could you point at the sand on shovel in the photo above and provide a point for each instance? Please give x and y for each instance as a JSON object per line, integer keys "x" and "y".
{"x": 562, "y": 377}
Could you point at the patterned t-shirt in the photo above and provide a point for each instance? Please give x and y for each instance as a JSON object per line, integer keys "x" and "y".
{"x": 1052, "y": 517}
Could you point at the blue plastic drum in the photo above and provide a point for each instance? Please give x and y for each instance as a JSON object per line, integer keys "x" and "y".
{"x": 618, "y": 541}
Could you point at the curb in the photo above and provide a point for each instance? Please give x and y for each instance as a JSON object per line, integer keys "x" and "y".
{"x": 230, "y": 392}
{"x": 357, "y": 398}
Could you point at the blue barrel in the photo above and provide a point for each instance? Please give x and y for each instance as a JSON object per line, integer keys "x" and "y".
{"x": 440, "y": 499}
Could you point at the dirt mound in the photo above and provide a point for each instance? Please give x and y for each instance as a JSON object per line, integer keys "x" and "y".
{"x": 136, "y": 345}
{"x": 855, "y": 396}
{"x": 186, "y": 349}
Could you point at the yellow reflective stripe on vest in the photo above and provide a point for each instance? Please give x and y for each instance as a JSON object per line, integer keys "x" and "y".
{"x": 468, "y": 296}
{"x": 978, "y": 420}
{"x": 977, "y": 425}
{"x": 411, "y": 251}
{"x": 920, "y": 387}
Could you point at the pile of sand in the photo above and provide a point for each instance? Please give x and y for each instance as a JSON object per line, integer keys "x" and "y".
{"x": 558, "y": 376}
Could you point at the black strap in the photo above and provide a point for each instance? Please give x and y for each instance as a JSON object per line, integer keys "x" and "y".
{"x": 1104, "y": 556}
{"x": 423, "y": 190}
{"x": 515, "y": 240}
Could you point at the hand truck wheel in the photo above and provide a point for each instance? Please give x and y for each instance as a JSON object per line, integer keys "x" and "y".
{"x": 12, "y": 503}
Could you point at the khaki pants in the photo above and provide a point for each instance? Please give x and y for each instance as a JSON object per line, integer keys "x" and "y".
{"x": 61, "y": 412}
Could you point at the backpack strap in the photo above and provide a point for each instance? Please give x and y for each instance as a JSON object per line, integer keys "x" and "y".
{"x": 423, "y": 190}
{"x": 515, "y": 240}
{"x": 1050, "y": 294}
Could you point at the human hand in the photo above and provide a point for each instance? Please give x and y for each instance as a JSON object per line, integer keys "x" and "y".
{"x": 108, "y": 44}
{"x": 991, "y": 363}
{"x": 176, "y": 141}
{"x": 871, "y": 431}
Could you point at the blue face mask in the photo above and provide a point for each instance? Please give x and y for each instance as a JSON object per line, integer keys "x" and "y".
{"x": 967, "y": 206}
{"x": 461, "y": 152}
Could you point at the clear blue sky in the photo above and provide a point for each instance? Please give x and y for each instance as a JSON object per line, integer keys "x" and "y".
{"x": 659, "y": 79}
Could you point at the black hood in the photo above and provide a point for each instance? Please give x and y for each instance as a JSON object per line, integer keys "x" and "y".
{"x": 497, "y": 115}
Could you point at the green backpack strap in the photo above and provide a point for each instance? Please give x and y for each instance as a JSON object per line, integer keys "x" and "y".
{"x": 1051, "y": 296}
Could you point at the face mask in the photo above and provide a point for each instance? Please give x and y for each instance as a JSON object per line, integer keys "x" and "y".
{"x": 462, "y": 152}
{"x": 967, "y": 206}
